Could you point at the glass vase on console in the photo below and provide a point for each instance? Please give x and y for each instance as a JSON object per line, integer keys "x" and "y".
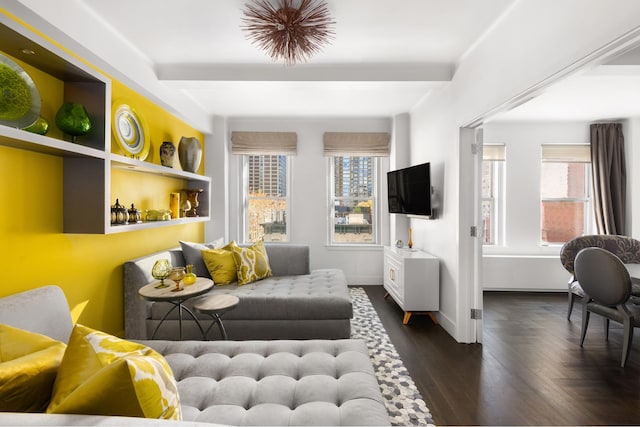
{"x": 177, "y": 274}
{"x": 160, "y": 271}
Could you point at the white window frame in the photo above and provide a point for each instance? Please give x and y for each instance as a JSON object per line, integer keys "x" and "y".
{"x": 245, "y": 198}
{"x": 498, "y": 216}
{"x": 589, "y": 217}
{"x": 375, "y": 196}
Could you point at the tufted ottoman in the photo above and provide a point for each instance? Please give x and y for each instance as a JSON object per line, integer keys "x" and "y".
{"x": 313, "y": 382}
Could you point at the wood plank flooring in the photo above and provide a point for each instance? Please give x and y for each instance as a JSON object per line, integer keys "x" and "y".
{"x": 530, "y": 370}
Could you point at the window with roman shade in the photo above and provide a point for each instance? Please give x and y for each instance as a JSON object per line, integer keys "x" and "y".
{"x": 353, "y": 188}
{"x": 266, "y": 181}
{"x": 255, "y": 143}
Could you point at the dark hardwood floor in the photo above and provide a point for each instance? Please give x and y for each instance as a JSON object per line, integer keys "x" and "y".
{"x": 530, "y": 369}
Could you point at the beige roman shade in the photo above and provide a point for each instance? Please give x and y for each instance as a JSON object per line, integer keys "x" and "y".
{"x": 375, "y": 144}
{"x": 493, "y": 152}
{"x": 254, "y": 143}
{"x": 566, "y": 153}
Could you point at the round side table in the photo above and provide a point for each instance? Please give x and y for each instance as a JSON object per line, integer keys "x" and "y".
{"x": 215, "y": 306}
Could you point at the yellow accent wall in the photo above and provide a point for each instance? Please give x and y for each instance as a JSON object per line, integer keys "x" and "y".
{"x": 34, "y": 250}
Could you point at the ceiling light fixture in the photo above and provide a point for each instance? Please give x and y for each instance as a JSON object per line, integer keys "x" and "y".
{"x": 290, "y": 30}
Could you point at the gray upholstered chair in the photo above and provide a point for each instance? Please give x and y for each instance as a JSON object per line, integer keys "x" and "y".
{"x": 624, "y": 247}
{"x": 607, "y": 290}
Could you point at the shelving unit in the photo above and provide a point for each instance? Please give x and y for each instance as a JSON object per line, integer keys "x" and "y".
{"x": 87, "y": 164}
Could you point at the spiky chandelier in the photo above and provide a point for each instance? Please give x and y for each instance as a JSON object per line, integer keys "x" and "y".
{"x": 291, "y": 30}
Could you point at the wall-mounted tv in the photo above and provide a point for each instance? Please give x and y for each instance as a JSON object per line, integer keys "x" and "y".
{"x": 409, "y": 190}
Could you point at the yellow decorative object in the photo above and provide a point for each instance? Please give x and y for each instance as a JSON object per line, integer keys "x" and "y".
{"x": 104, "y": 375}
{"x": 221, "y": 265}
{"x": 410, "y": 242}
{"x": 28, "y": 366}
{"x": 174, "y": 205}
{"x": 252, "y": 263}
{"x": 190, "y": 277}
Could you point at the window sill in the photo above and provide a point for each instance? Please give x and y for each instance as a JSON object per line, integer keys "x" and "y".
{"x": 355, "y": 247}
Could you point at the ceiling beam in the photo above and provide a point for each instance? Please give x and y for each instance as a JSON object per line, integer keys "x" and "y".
{"x": 411, "y": 72}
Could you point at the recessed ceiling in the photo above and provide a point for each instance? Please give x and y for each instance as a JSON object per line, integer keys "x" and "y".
{"x": 385, "y": 57}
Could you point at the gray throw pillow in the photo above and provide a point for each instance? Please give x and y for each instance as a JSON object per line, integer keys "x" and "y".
{"x": 193, "y": 255}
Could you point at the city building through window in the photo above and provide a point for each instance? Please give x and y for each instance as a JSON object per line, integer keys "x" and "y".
{"x": 267, "y": 189}
{"x": 353, "y": 200}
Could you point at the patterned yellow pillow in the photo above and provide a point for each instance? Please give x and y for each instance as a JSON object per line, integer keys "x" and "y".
{"x": 221, "y": 265}
{"x": 252, "y": 263}
{"x": 104, "y": 375}
{"x": 28, "y": 366}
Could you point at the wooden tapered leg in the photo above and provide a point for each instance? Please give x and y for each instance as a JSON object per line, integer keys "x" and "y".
{"x": 386, "y": 295}
{"x": 407, "y": 317}
{"x": 433, "y": 317}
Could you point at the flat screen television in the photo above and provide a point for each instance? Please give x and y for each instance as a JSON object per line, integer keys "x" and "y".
{"x": 409, "y": 190}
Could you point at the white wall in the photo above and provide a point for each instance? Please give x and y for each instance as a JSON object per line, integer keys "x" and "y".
{"x": 522, "y": 263}
{"x": 535, "y": 40}
{"x": 309, "y": 197}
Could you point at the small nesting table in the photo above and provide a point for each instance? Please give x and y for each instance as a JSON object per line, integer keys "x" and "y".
{"x": 151, "y": 293}
{"x": 215, "y": 306}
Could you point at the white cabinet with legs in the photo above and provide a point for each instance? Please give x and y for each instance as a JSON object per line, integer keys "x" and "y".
{"x": 412, "y": 279}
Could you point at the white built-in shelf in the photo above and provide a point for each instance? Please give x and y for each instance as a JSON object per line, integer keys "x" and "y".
{"x": 123, "y": 162}
{"x": 87, "y": 164}
{"x": 18, "y": 138}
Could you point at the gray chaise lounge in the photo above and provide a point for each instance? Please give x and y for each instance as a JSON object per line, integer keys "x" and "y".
{"x": 293, "y": 304}
{"x": 313, "y": 382}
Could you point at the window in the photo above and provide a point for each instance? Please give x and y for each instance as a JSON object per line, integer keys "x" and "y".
{"x": 565, "y": 193}
{"x": 267, "y": 198}
{"x": 353, "y": 200}
{"x": 493, "y": 170}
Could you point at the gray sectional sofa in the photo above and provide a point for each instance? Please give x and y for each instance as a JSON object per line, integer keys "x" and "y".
{"x": 281, "y": 382}
{"x": 295, "y": 303}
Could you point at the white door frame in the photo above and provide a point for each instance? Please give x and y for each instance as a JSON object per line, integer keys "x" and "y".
{"x": 469, "y": 255}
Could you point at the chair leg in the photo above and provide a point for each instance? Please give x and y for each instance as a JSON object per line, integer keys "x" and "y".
{"x": 627, "y": 340}
{"x": 585, "y": 322}
{"x": 606, "y": 328}
{"x": 571, "y": 300}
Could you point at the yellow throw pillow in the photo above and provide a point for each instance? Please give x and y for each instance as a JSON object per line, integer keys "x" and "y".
{"x": 221, "y": 265}
{"x": 28, "y": 366}
{"x": 252, "y": 263}
{"x": 104, "y": 375}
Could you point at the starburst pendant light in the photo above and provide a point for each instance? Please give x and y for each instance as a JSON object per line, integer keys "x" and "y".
{"x": 290, "y": 30}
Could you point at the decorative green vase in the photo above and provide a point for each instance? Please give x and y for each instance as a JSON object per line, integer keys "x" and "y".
{"x": 72, "y": 119}
{"x": 40, "y": 126}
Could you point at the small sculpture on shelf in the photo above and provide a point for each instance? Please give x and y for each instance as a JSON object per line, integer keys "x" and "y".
{"x": 184, "y": 208}
{"x": 135, "y": 215}
{"x": 119, "y": 214}
{"x": 72, "y": 118}
{"x": 192, "y": 196}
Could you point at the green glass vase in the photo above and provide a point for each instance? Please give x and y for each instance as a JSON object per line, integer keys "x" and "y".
{"x": 72, "y": 118}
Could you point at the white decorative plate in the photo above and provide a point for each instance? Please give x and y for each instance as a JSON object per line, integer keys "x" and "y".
{"x": 130, "y": 131}
{"x": 19, "y": 98}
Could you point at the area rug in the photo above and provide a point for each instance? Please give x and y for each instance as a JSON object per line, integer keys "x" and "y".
{"x": 403, "y": 400}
